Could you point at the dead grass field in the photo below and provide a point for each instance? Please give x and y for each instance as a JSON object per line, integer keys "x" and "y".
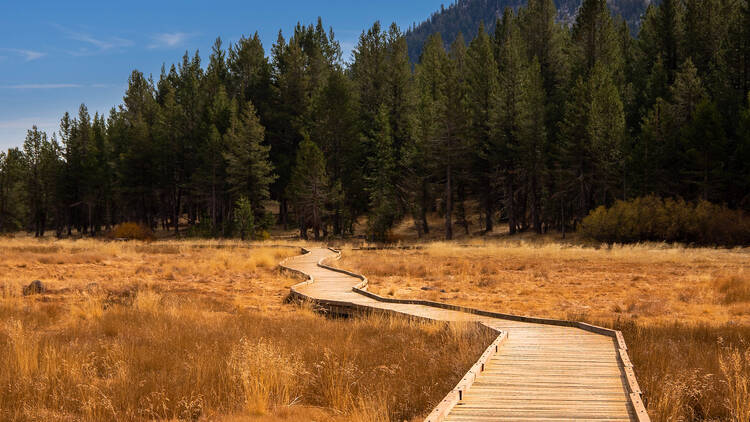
{"x": 685, "y": 312}
{"x": 199, "y": 331}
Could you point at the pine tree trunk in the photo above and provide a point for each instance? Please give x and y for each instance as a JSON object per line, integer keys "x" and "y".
{"x": 448, "y": 204}
{"x": 462, "y": 208}
{"x": 283, "y": 213}
{"x": 535, "y": 206}
{"x": 177, "y": 213}
{"x": 91, "y": 225}
{"x": 562, "y": 211}
{"x": 337, "y": 229}
{"x": 488, "y": 211}
{"x": 705, "y": 177}
{"x": 213, "y": 200}
{"x": 423, "y": 210}
{"x": 510, "y": 205}
{"x": 417, "y": 224}
{"x": 109, "y": 215}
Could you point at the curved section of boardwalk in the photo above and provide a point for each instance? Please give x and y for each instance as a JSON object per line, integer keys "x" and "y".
{"x": 542, "y": 371}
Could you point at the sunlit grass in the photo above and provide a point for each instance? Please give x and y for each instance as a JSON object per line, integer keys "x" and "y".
{"x": 199, "y": 331}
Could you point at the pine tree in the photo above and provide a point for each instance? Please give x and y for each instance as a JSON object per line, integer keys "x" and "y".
{"x": 310, "y": 189}
{"x": 454, "y": 150}
{"x": 655, "y": 152}
{"x": 606, "y": 133}
{"x": 705, "y": 149}
{"x": 368, "y": 73}
{"x": 669, "y": 32}
{"x": 244, "y": 217}
{"x": 575, "y": 166}
{"x": 704, "y": 32}
{"x": 136, "y": 147}
{"x": 168, "y": 146}
{"x": 596, "y": 41}
{"x": 686, "y": 93}
{"x": 592, "y": 133}
{"x": 250, "y": 75}
{"x": 507, "y": 125}
{"x": 292, "y": 84}
{"x": 193, "y": 130}
{"x": 738, "y": 54}
{"x": 103, "y": 173}
{"x": 399, "y": 88}
{"x": 334, "y": 129}
{"x": 431, "y": 82}
{"x": 40, "y": 161}
{"x": 401, "y": 98}
{"x": 546, "y": 40}
{"x": 211, "y": 172}
{"x": 740, "y": 163}
{"x": 217, "y": 72}
{"x": 481, "y": 92}
{"x": 381, "y": 189}
{"x": 249, "y": 170}
{"x": 533, "y": 145}
{"x": 12, "y": 207}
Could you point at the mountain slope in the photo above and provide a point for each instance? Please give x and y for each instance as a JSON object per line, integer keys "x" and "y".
{"x": 464, "y": 16}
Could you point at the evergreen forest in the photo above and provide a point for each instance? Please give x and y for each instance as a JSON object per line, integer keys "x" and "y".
{"x": 530, "y": 123}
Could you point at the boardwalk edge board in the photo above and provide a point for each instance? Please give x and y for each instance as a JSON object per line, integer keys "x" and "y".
{"x": 454, "y": 397}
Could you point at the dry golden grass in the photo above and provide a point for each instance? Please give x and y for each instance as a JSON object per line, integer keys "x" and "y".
{"x": 189, "y": 331}
{"x": 650, "y": 283}
{"x": 228, "y": 272}
{"x": 685, "y": 312}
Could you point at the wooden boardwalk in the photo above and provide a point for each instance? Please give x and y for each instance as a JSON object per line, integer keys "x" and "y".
{"x": 541, "y": 370}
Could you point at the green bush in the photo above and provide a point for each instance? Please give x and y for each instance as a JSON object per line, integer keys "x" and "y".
{"x": 651, "y": 218}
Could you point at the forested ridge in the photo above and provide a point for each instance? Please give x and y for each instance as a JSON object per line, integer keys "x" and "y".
{"x": 465, "y": 16}
{"x": 532, "y": 127}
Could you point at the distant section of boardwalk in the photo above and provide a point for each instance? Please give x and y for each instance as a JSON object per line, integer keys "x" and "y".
{"x": 538, "y": 370}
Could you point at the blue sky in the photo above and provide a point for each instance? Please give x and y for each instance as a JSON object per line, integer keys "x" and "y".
{"x": 54, "y": 55}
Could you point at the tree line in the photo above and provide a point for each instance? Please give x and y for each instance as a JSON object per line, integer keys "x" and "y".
{"x": 531, "y": 126}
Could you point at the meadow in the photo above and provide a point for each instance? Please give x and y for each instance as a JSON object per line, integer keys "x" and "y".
{"x": 685, "y": 312}
{"x": 187, "y": 330}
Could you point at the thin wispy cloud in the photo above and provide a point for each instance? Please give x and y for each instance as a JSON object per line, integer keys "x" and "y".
{"x": 169, "y": 39}
{"x": 95, "y": 44}
{"x": 27, "y": 55}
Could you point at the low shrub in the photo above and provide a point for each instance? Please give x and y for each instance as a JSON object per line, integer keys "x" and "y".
{"x": 651, "y": 218}
{"x": 132, "y": 231}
